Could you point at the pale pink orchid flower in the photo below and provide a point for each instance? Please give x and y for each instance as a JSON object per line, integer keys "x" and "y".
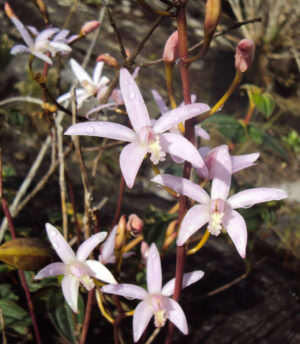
{"x": 156, "y": 301}
{"x": 41, "y": 44}
{"x": 75, "y": 268}
{"x": 218, "y": 210}
{"x": 91, "y": 87}
{"x": 238, "y": 162}
{"x": 145, "y": 138}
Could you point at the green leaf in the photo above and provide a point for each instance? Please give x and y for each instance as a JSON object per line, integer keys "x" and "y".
{"x": 7, "y": 293}
{"x": 227, "y": 125}
{"x": 35, "y": 285}
{"x": 261, "y": 137}
{"x": 264, "y": 102}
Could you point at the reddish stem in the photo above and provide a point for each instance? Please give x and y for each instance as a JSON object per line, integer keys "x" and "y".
{"x": 120, "y": 201}
{"x": 87, "y": 317}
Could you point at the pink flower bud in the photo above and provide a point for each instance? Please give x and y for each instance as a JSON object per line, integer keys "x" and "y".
{"x": 244, "y": 56}
{"x": 171, "y": 48}
{"x": 144, "y": 251}
{"x": 109, "y": 60}
{"x": 212, "y": 16}
{"x": 134, "y": 225}
{"x": 8, "y": 10}
{"x": 89, "y": 27}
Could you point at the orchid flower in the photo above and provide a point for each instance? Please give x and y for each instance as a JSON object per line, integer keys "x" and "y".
{"x": 164, "y": 108}
{"x": 92, "y": 87}
{"x": 156, "y": 301}
{"x": 41, "y": 44}
{"x": 217, "y": 210}
{"x": 75, "y": 268}
{"x": 238, "y": 162}
{"x": 145, "y": 138}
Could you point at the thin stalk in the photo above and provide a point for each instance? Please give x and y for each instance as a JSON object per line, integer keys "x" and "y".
{"x": 120, "y": 201}
{"x": 87, "y": 317}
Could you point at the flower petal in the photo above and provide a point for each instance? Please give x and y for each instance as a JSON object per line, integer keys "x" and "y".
{"x": 247, "y": 198}
{"x": 134, "y": 102}
{"x": 188, "y": 279}
{"x": 221, "y": 171}
{"x": 19, "y": 49}
{"x": 194, "y": 219}
{"x": 46, "y": 34}
{"x": 110, "y": 130}
{"x": 179, "y": 146}
{"x": 80, "y": 73}
{"x": 62, "y": 248}
{"x": 176, "y": 315}
{"x": 239, "y": 162}
{"x": 236, "y": 227}
{"x": 53, "y": 269}
{"x": 141, "y": 317}
{"x": 159, "y": 102}
{"x": 70, "y": 286}
{"x": 183, "y": 186}
{"x": 127, "y": 290}
{"x": 201, "y": 133}
{"x": 171, "y": 118}
{"x": 89, "y": 244}
{"x": 154, "y": 276}
{"x": 41, "y": 56}
{"x": 61, "y": 36}
{"x": 23, "y": 31}
{"x": 107, "y": 249}
{"x": 131, "y": 158}
{"x": 97, "y": 72}
{"x": 100, "y": 271}
{"x": 66, "y": 96}
{"x": 60, "y": 47}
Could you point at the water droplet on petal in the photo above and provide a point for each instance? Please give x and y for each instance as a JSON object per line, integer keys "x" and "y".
{"x": 53, "y": 234}
{"x": 90, "y": 130}
{"x": 131, "y": 95}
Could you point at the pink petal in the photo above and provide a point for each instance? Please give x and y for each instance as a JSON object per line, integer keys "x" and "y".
{"x": 41, "y": 56}
{"x": 127, "y": 290}
{"x": 154, "y": 276}
{"x": 107, "y": 249}
{"x": 131, "y": 159}
{"x": 66, "y": 96}
{"x": 239, "y": 162}
{"x": 141, "y": 317}
{"x": 201, "y": 133}
{"x": 19, "y": 49}
{"x": 247, "y": 198}
{"x": 188, "y": 279}
{"x": 60, "y": 245}
{"x": 171, "y": 118}
{"x": 110, "y": 130}
{"x": 179, "y": 146}
{"x": 100, "y": 272}
{"x": 53, "y": 269}
{"x": 176, "y": 315}
{"x": 70, "y": 287}
{"x": 61, "y": 35}
{"x": 221, "y": 171}
{"x": 80, "y": 73}
{"x": 134, "y": 102}
{"x": 235, "y": 226}
{"x": 46, "y": 34}
{"x": 89, "y": 244}
{"x": 97, "y": 72}
{"x": 23, "y": 31}
{"x": 183, "y": 187}
{"x": 193, "y": 220}
{"x": 60, "y": 47}
{"x": 159, "y": 102}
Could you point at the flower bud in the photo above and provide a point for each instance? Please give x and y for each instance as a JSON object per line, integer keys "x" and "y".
{"x": 212, "y": 16}
{"x": 144, "y": 251}
{"x": 121, "y": 233}
{"x": 109, "y": 60}
{"x": 26, "y": 253}
{"x": 89, "y": 27}
{"x": 244, "y": 56}
{"x": 171, "y": 53}
{"x": 8, "y": 10}
{"x": 43, "y": 9}
{"x": 134, "y": 225}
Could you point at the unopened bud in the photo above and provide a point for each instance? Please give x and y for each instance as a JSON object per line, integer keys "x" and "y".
{"x": 8, "y": 10}
{"x": 244, "y": 56}
{"x": 89, "y": 27}
{"x": 109, "y": 60}
{"x": 144, "y": 251}
{"x": 212, "y": 16}
{"x": 134, "y": 225}
{"x": 171, "y": 53}
{"x": 121, "y": 233}
{"x": 43, "y": 9}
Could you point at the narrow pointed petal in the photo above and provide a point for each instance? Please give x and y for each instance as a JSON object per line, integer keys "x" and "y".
{"x": 89, "y": 244}
{"x": 134, "y": 102}
{"x": 61, "y": 35}
{"x": 154, "y": 276}
{"x": 23, "y": 31}
{"x": 141, "y": 317}
{"x": 110, "y": 130}
{"x": 127, "y": 290}
{"x": 19, "y": 49}
{"x": 171, "y": 118}
{"x": 176, "y": 315}
{"x": 183, "y": 186}
{"x": 66, "y": 96}
{"x": 131, "y": 159}
{"x": 62, "y": 248}
{"x": 179, "y": 146}
{"x": 203, "y": 151}
{"x": 46, "y": 34}
{"x": 247, "y": 198}
{"x": 53, "y": 269}
{"x": 61, "y": 47}
{"x": 97, "y": 72}
{"x": 41, "y": 56}
{"x": 107, "y": 249}
{"x": 239, "y": 162}
{"x": 221, "y": 171}
{"x": 100, "y": 271}
{"x": 80, "y": 73}
{"x": 70, "y": 286}
{"x": 188, "y": 279}
{"x": 159, "y": 102}
{"x": 33, "y": 30}
{"x": 193, "y": 220}
{"x": 201, "y": 133}
{"x": 235, "y": 226}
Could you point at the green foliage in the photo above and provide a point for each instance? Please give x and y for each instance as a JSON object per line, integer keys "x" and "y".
{"x": 8, "y": 171}
{"x": 5, "y": 56}
{"x": 292, "y": 140}
{"x": 265, "y": 103}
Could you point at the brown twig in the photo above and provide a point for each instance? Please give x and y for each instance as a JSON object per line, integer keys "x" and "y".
{"x": 87, "y": 316}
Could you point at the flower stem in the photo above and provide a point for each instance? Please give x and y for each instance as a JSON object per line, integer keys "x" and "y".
{"x": 87, "y": 317}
